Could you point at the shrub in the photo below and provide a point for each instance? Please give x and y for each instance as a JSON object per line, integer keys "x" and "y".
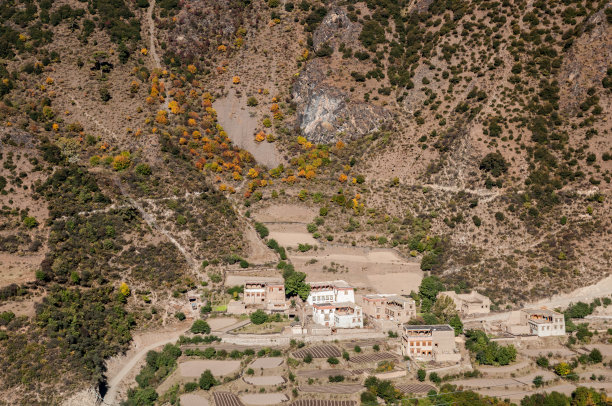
{"x": 333, "y": 361}
{"x": 494, "y": 163}
{"x": 207, "y": 380}
{"x": 421, "y": 374}
{"x": 258, "y": 317}
{"x": 252, "y": 101}
{"x": 180, "y": 315}
{"x": 200, "y": 327}
{"x": 308, "y": 358}
{"x": 30, "y": 222}
{"x": 262, "y": 230}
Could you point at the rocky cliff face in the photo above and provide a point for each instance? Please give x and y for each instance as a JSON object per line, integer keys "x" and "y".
{"x": 335, "y": 28}
{"x": 326, "y": 114}
{"x": 586, "y": 62}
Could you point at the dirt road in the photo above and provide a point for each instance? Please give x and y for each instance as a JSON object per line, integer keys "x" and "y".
{"x": 132, "y": 360}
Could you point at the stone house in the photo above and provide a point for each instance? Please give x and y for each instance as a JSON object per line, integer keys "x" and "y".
{"x": 389, "y": 307}
{"x": 469, "y": 303}
{"x": 430, "y": 343}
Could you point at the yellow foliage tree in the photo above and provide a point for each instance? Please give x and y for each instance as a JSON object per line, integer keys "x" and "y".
{"x": 260, "y": 136}
{"x": 162, "y": 117}
{"x": 253, "y": 173}
{"x": 124, "y": 289}
{"x": 342, "y": 178}
{"x": 174, "y": 107}
{"x": 236, "y": 80}
{"x": 192, "y": 68}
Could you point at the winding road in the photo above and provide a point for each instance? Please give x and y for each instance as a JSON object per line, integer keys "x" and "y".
{"x": 114, "y": 384}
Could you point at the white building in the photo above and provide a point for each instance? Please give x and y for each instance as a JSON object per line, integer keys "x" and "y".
{"x": 544, "y": 322}
{"x": 330, "y": 292}
{"x": 339, "y": 315}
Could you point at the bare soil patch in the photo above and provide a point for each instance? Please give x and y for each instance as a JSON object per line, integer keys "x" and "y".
{"x": 219, "y": 323}
{"x": 235, "y": 118}
{"x": 264, "y": 398}
{"x": 19, "y": 269}
{"x": 372, "y": 270}
{"x": 291, "y": 235}
{"x": 265, "y": 363}
{"x": 193, "y": 369}
{"x": 190, "y": 399}
{"x": 289, "y": 213}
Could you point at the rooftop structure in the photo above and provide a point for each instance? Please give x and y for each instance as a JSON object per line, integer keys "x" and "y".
{"x": 543, "y": 322}
{"x": 389, "y": 307}
{"x": 330, "y": 292}
{"x": 430, "y": 343}
{"x": 469, "y": 303}
{"x": 339, "y": 315}
{"x": 268, "y": 293}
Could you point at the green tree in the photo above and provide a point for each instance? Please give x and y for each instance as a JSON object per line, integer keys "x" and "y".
{"x": 258, "y": 317}
{"x": 456, "y": 324}
{"x": 595, "y": 356}
{"x": 207, "y": 380}
{"x": 200, "y": 327}
{"x": 444, "y": 308}
{"x": 538, "y": 381}
{"x": 421, "y": 374}
{"x": 430, "y": 286}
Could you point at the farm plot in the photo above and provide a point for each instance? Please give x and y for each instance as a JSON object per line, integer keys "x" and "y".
{"x": 264, "y": 398}
{"x": 189, "y": 399}
{"x": 414, "y": 388}
{"x": 318, "y": 351}
{"x": 375, "y": 357}
{"x": 193, "y": 369}
{"x": 323, "y": 402}
{"x": 227, "y": 399}
{"x": 342, "y": 389}
{"x": 264, "y": 380}
{"x": 265, "y": 363}
{"x": 323, "y": 373}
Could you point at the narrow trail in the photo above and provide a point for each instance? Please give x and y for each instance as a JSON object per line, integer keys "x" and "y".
{"x": 152, "y": 39}
{"x": 153, "y": 224}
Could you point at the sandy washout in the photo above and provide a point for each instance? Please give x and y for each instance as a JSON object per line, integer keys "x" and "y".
{"x": 193, "y": 369}
{"x": 235, "y": 118}
{"x": 263, "y": 398}
{"x": 190, "y": 399}
{"x": 266, "y": 363}
{"x": 265, "y": 380}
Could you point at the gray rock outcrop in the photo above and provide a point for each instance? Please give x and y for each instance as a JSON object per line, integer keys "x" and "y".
{"x": 326, "y": 114}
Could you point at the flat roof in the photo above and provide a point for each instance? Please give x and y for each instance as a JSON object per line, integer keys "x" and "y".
{"x": 336, "y": 284}
{"x": 545, "y": 312}
{"x": 432, "y": 327}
